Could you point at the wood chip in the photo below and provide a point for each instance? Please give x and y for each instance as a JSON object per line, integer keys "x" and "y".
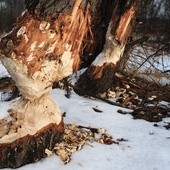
{"x": 76, "y": 137}
{"x": 48, "y": 152}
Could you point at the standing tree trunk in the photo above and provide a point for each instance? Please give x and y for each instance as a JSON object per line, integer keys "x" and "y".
{"x": 99, "y": 77}
{"x": 43, "y": 47}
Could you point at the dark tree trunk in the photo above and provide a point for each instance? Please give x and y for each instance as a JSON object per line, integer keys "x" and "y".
{"x": 99, "y": 77}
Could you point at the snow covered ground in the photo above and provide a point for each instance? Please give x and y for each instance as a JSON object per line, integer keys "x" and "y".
{"x": 147, "y": 147}
{"x": 3, "y": 71}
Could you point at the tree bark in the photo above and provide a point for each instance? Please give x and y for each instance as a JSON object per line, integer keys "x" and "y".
{"x": 99, "y": 77}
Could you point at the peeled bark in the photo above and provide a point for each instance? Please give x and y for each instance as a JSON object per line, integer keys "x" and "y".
{"x": 99, "y": 77}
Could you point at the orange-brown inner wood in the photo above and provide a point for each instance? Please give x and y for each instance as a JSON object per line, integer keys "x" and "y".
{"x": 97, "y": 71}
{"x": 67, "y": 29}
{"x": 125, "y": 25}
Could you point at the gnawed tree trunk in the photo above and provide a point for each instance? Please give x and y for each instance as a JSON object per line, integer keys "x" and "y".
{"x": 43, "y": 47}
{"x": 99, "y": 77}
{"x": 101, "y": 12}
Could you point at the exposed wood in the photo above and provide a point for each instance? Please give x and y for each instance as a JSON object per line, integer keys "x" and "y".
{"x": 30, "y": 148}
{"x": 100, "y": 75}
{"x": 41, "y": 49}
{"x": 29, "y": 128}
{"x": 88, "y": 85}
{"x": 101, "y": 12}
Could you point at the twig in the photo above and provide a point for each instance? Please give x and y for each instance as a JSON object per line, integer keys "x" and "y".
{"x": 166, "y": 71}
{"x": 111, "y": 102}
{"x": 135, "y": 42}
{"x": 93, "y": 130}
{"x": 150, "y": 57}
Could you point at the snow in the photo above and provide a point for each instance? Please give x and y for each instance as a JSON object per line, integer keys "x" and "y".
{"x": 3, "y": 71}
{"x": 4, "y": 106}
{"x": 146, "y": 148}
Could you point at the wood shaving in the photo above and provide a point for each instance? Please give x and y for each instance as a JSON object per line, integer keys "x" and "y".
{"x": 75, "y": 137}
{"x": 48, "y": 152}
